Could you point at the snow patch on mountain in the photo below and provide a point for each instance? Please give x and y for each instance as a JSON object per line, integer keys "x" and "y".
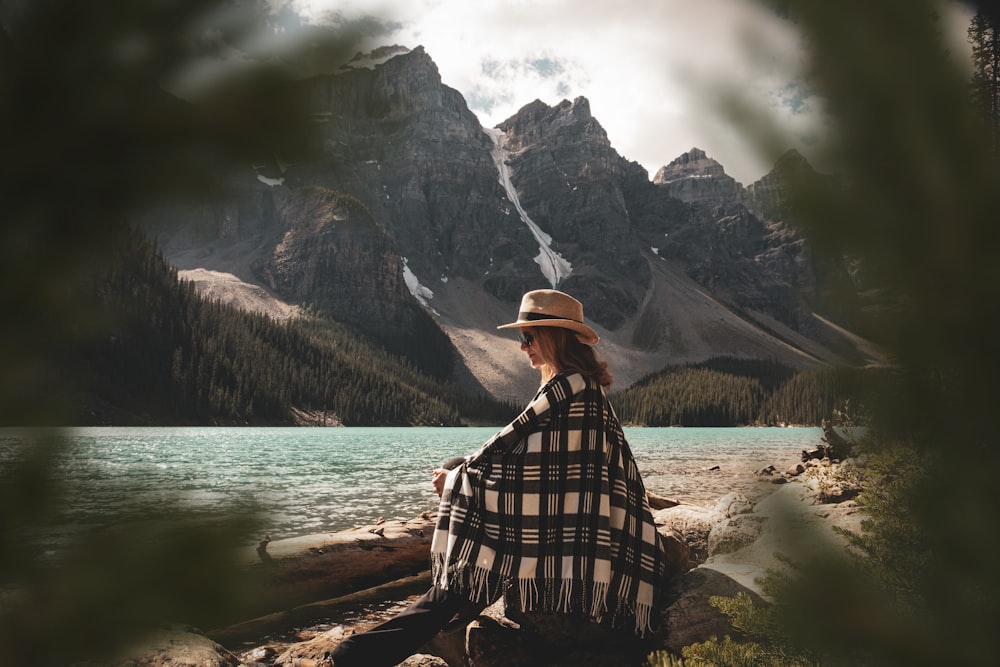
{"x": 554, "y": 267}
{"x": 273, "y": 182}
{"x": 419, "y": 292}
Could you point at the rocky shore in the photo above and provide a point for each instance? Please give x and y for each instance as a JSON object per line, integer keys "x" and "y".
{"x": 713, "y": 551}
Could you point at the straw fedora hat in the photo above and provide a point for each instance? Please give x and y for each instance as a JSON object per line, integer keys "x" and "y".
{"x": 551, "y": 308}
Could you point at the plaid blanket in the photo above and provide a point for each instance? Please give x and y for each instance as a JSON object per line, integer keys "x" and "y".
{"x": 554, "y": 504}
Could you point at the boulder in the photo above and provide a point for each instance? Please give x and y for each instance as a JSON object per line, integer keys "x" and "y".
{"x": 506, "y": 636}
{"x": 692, "y": 523}
{"x": 838, "y": 493}
{"x": 316, "y": 648}
{"x": 733, "y": 503}
{"x": 425, "y": 660}
{"x": 690, "y": 617}
{"x": 177, "y": 647}
{"x": 676, "y": 554}
{"x": 489, "y": 641}
{"x": 734, "y": 533}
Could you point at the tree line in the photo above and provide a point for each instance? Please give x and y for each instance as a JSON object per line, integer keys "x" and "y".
{"x": 164, "y": 355}
{"x": 729, "y": 391}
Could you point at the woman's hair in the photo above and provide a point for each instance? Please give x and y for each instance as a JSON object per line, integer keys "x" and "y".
{"x": 567, "y": 353}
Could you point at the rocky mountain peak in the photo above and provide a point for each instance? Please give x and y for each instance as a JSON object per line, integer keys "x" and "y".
{"x": 377, "y": 57}
{"x": 569, "y": 182}
{"x": 792, "y": 161}
{"x": 696, "y": 178}
{"x": 693, "y": 163}
{"x": 563, "y": 124}
{"x": 767, "y": 196}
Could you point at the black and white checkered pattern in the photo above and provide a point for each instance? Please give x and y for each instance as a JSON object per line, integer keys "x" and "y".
{"x": 554, "y": 504}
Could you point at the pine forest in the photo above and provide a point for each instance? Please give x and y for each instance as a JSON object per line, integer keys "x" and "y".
{"x": 164, "y": 355}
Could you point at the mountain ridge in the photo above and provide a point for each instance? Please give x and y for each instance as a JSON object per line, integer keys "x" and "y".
{"x": 676, "y": 269}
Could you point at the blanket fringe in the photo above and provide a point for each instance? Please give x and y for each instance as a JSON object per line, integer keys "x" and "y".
{"x": 643, "y": 619}
{"x": 565, "y": 603}
{"x": 528, "y": 592}
{"x": 476, "y": 583}
{"x": 598, "y": 604}
{"x": 479, "y": 584}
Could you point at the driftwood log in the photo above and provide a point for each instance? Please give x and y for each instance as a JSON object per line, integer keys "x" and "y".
{"x": 287, "y": 573}
{"x": 305, "y": 569}
{"x": 658, "y": 502}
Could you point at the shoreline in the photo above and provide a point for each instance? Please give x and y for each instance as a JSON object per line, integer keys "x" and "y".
{"x": 728, "y": 545}
{"x": 367, "y": 606}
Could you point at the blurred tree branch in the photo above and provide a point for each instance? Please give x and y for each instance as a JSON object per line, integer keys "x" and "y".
{"x": 90, "y": 135}
{"x": 918, "y": 210}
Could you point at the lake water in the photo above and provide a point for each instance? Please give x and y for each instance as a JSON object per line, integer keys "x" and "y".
{"x": 310, "y": 480}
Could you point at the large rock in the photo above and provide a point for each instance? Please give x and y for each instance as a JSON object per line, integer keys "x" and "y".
{"x": 676, "y": 553}
{"x": 317, "y": 648}
{"x": 692, "y": 523}
{"x": 734, "y": 533}
{"x": 690, "y": 617}
{"x": 732, "y": 504}
{"x": 177, "y": 647}
{"x": 505, "y": 636}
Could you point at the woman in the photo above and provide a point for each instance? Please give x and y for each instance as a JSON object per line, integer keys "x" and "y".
{"x": 552, "y": 504}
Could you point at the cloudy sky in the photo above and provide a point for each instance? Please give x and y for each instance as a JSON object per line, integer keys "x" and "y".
{"x": 648, "y": 67}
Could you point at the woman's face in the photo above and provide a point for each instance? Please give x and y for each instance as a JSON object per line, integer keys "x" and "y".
{"x": 536, "y": 356}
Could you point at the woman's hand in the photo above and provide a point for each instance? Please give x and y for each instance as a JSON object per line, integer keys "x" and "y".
{"x": 438, "y": 475}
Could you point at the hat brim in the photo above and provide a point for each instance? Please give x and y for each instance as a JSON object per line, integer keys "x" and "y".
{"x": 584, "y": 334}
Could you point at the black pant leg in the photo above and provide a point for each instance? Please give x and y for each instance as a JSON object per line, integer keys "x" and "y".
{"x": 394, "y": 640}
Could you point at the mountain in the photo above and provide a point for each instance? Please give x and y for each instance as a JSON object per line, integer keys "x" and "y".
{"x": 420, "y": 228}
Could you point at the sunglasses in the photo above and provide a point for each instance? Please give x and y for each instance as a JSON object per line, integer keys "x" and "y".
{"x": 526, "y": 339}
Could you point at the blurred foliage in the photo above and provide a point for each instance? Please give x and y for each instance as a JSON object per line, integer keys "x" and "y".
{"x": 920, "y": 215}
{"x": 763, "y": 641}
{"x": 90, "y": 133}
{"x": 90, "y": 136}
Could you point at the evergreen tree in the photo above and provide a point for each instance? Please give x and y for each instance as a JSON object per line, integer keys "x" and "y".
{"x": 985, "y": 87}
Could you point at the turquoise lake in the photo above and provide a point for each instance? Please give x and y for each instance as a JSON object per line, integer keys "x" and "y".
{"x": 310, "y": 480}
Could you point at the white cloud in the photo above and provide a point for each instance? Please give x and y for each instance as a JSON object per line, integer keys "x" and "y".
{"x": 648, "y": 67}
